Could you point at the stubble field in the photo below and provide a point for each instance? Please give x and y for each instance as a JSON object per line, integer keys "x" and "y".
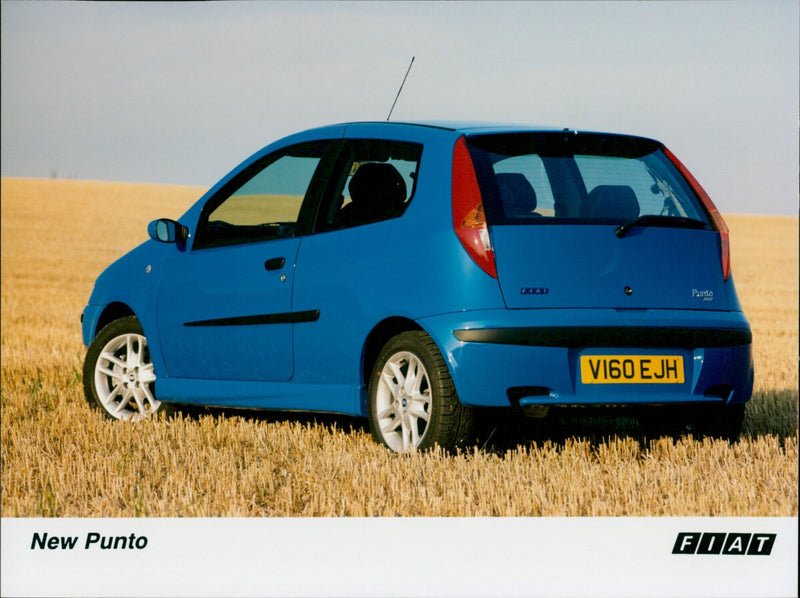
{"x": 59, "y": 458}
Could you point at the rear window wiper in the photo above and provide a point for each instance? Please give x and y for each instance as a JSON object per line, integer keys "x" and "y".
{"x": 656, "y": 220}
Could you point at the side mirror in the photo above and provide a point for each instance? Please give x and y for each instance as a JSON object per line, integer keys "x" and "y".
{"x": 165, "y": 230}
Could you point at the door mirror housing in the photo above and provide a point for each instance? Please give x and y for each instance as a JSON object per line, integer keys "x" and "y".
{"x": 165, "y": 230}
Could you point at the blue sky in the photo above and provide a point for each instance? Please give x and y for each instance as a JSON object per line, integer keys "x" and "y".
{"x": 182, "y": 92}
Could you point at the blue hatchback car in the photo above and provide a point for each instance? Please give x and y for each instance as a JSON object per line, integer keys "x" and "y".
{"x": 413, "y": 273}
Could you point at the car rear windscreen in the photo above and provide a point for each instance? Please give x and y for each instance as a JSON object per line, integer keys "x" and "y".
{"x": 540, "y": 178}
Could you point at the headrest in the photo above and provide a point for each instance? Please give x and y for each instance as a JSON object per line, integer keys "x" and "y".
{"x": 612, "y": 201}
{"x": 517, "y": 194}
{"x": 377, "y": 182}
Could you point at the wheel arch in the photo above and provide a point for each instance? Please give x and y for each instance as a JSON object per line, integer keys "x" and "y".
{"x": 113, "y": 311}
{"x": 375, "y": 341}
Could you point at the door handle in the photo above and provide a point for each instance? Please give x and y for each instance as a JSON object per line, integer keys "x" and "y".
{"x": 275, "y": 263}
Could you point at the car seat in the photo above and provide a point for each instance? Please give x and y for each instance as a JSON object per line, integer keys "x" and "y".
{"x": 377, "y": 192}
{"x": 517, "y": 195}
{"x": 617, "y": 202}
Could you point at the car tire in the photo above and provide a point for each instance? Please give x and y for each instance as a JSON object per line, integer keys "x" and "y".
{"x": 412, "y": 399}
{"x": 118, "y": 376}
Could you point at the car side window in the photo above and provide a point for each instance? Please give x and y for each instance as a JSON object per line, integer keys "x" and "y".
{"x": 376, "y": 181}
{"x": 264, "y": 202}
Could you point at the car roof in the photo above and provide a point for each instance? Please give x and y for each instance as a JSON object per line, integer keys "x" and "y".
{"x": 449, "y": 127}
{"x": 474, "y": 127}
{"x": 463, "y": 125}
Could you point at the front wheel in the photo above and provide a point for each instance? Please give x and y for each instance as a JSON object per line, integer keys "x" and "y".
{"x": 412, "y": 399}
{"x": 118, "y": 376}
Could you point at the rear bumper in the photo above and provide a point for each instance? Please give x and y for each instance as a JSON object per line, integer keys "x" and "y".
{"x": 608, "y": 336}
{"x": 501, "y": 358}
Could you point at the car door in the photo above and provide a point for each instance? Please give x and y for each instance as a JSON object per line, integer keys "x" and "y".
{"x": 225, "y": 305}
{"x": 348, "y": 271}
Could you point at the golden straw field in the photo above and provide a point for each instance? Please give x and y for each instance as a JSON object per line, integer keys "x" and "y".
{"x": 62, "y": 459}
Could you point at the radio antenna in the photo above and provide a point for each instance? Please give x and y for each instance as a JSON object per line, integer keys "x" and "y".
{"x": 401, "y": 88}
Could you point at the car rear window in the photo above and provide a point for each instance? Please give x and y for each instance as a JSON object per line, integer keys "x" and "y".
{"x": 588, "y": 178}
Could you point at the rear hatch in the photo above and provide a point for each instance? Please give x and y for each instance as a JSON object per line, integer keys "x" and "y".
{"x": 583, "y": 220}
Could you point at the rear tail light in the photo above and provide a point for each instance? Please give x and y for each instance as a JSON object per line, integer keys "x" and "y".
{"x": 469, "y": 218}
{"x": 713, "y": 213}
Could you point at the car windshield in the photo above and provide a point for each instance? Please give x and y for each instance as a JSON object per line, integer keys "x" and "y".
{"x": 539, "y": 178}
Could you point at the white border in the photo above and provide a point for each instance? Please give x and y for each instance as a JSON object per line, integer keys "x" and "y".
{"x": 394, "y": 557}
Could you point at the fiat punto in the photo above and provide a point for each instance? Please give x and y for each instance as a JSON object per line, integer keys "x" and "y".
{"x": 413, "y": 273}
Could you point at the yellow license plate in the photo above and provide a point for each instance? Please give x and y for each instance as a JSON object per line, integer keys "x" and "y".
{"x": 632, "y": 369}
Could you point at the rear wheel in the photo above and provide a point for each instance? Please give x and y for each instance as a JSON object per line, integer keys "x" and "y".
{"x": 412, "y": 399}
{"x": 118, "y": 376}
